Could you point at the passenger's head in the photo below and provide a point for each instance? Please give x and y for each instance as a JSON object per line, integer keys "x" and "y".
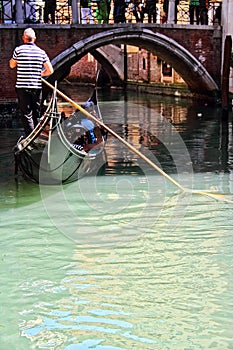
{"x": 29, "y": 35}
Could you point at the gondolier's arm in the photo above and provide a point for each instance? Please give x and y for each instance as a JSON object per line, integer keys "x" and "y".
{"x": 48, "y": 69}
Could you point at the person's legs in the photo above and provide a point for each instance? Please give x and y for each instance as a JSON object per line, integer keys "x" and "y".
{"x": 154, "y": 15}
{"x": 149, "y": 16}
{"x": 36, "y": 105}
{"x": 122, "y": 14}
{"x": 191, "y": 14}
{"x": 108, "y": 4}
{"x": 84, "y": 13}
{"x": 203, "y": 15}
{"x": 135, "y": 13}
{"x": 29, "y": 105}
{"x": 46, "y": 14}
{"x": 53, "y": 16}
{"x": 142, "y": 14}
{"x": 91, "y": 18}
{"x": 24, "y": 100}
{"x": 197, "y": 14}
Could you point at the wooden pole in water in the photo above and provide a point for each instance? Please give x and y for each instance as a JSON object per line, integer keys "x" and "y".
{"x": 225, "y": 74}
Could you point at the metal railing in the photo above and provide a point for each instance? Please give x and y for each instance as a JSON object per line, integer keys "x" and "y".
{"x": 33, "y": 12}
{"x": 207, "y": 16}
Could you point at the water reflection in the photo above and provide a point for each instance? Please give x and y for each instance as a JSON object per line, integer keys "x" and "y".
{"x": 143, "y": 119}
{"x": 167, "y": 289}
{"x": 124, "y": 260}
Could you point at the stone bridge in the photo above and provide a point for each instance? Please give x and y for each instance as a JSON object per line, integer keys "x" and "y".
{"x": 193, "y": 51}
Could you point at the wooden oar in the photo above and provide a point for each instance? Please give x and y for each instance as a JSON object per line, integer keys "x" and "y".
{"x": 133, "y": 149}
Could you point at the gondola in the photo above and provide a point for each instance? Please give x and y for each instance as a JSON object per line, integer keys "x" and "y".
{"x": 62, "y": 149}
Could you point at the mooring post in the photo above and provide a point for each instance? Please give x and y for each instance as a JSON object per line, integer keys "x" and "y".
{"x": 226, "y": 74}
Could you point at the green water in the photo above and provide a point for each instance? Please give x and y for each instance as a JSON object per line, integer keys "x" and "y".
{"x": 124, "y": 260}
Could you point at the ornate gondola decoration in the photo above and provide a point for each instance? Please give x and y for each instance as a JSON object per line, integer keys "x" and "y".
{"x": 62, "y": 149}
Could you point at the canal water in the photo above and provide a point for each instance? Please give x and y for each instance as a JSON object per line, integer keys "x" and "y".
{"x": 124, "y": 259}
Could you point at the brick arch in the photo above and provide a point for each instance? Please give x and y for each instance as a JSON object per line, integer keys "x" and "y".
{"x": 186, "y": 65}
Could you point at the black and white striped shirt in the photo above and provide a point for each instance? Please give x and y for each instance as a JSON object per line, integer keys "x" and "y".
{"x": 30, "y": 59}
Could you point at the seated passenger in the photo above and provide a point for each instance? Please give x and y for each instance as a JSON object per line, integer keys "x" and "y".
{"x": 80, "y": 130}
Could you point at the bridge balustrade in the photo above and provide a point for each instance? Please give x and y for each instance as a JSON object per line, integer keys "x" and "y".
{"x": 33, "y": 12}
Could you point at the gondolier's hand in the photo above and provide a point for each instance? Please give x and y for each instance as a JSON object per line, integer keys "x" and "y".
{"x": 12, "y": 63}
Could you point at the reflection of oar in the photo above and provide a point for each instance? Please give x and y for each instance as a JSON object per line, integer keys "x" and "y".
{"x": 133, "y": 149}
{"x": 217, "y": 196}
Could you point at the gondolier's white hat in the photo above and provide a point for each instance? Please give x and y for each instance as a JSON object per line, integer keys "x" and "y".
{"x": 29, "y": 33}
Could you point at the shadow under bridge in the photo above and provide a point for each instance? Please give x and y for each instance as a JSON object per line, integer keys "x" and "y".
{"x": 185, "y": 64}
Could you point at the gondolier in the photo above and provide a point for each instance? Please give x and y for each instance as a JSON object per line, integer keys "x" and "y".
{"x": 32, "y": 63}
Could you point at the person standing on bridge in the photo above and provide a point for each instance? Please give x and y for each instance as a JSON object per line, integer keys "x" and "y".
{"x": 204, "y": 5}
{"x": 86, "y": 12}
{"x": 166, "y": 10}
{"x": 32, "y": 63}
{"x": 151, "y": 10}
{"x": 102, "y": 13}
{"x": 194, "y": 9}
{"x": 138, "y": 10}
{"x": 119, "y": 11}
{"x": 50, "y": 9}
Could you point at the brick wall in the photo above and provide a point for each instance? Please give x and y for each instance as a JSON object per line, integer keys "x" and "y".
{"x": 204, "y": 44}
{"x": 84, "y": 70}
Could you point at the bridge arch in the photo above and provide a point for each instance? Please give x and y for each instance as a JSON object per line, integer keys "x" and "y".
{"x": 186, "y": 65}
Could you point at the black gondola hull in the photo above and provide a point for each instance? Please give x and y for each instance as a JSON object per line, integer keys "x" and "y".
{"x": 52, "y": 154}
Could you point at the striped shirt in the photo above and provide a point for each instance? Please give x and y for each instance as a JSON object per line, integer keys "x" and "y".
{"x": 30, "y": 59}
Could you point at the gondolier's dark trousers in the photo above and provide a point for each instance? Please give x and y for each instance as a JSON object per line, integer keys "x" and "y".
{"x": 29, "y": 105}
